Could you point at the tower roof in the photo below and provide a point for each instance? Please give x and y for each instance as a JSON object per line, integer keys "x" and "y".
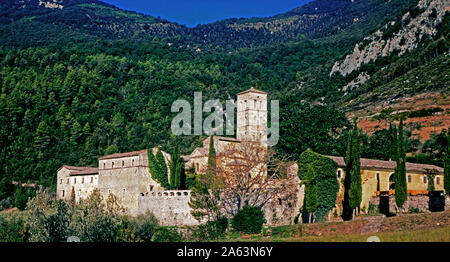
{"x": 252, "y": 90}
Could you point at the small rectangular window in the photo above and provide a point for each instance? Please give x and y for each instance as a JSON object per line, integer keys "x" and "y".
{"x": 67, "y": 181}
{"x": 112, "y": 164}
{"x": 92, "y": 179}
{"x": 82, "y": 180}
{"x": 60, "y": 181}
{"x": 75, "y": 180}
{"x": 438, "y": 180}
{"x": 409, "y": 178}
{"x": 424, "y": 179}
{"x": 123, "y": 163}
{"x": 63, "y": 193}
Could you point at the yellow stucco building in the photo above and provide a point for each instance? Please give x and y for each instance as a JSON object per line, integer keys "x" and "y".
{"x": 377, "y": 176}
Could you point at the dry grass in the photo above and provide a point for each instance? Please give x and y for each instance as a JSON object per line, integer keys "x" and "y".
{"x": 430, "y": 235}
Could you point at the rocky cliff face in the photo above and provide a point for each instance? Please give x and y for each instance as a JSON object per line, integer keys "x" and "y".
{"x": 396, "y": 37}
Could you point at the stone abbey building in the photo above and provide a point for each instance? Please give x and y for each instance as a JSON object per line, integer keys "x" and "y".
{"x": 127, "y": 175}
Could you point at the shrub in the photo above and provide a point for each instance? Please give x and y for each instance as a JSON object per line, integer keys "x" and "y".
{"x": 248, "y": 220}
{"x": 6, "y": 203}
{"x": 164, "y": 234}
{"x": 211, "y": 230}
{"x": 413, "y": 210}
{"x": 145, "y": 226}
{"x": 13, "y": 229}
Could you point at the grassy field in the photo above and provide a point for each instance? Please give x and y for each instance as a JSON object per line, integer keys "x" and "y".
{"x": 424, "y": 227}
{"x": 433, "y": 235}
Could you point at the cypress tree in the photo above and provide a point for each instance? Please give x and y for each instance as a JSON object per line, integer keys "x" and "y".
{"x": 175, "y": 166}
{"x": 347, "y": 211}
{"x": 447, "y": 166}
{"x": 393, "y": 152}
{"x": 401, "y": 191}
{"x": 355, "y": 194}
{"x": 162, "y": 169}
{"x": 158, "y": 168}
{"x": 352, "y": 181}
{"x": 211, "y": 158}
{"x": 310, "y": 193}
{"x": 205, "y": 192}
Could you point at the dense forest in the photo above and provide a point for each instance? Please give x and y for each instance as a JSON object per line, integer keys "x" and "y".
{"x": 90, "y": 79}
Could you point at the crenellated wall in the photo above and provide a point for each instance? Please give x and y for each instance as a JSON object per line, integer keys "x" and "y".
{"x": 169, "y": 207}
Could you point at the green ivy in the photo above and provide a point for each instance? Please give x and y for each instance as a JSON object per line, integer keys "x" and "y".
{"x": 324, "y": 169}
{"x": 158, "y": 168}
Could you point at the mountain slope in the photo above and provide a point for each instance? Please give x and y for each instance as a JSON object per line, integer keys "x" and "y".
{"x": 88, "y": 20}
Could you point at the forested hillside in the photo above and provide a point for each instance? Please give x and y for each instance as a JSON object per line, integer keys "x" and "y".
{"x": 80, "y": 79}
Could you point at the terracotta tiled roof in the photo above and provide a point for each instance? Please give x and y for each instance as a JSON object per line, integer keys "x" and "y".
{"x": 80, "y": 170}
{"x": 127, "y": 154}
{"x": 201, "y": 150}
{"x": 252, "y": 90}
{"x": 387, "y": 165}
{"x": 232, "y": 139}
{"x": 221, "y": 138}
{"x": 186, "y": 157}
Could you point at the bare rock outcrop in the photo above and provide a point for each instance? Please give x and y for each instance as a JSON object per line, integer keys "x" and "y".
{"x": 395, "y": 37}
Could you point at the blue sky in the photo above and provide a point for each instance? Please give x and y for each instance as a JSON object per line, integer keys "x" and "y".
{"x": 193, "y": 12}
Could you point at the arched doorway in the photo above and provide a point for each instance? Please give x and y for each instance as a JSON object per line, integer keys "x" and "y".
{"x": 391, "y": 182}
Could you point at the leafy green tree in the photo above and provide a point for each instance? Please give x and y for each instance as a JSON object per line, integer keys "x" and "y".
{"x": 205, "y": 194}
{"x": 248, "y": 220}
{"x": 299, "y": 120}
{"x": 42, "y": 139}
{"x": 20, "y": 197}
{"x": 379, "y": 145}
{"x": 49, "y": 220}
{"x": 112, "y": 149}
{"x": 164, "y": 234}
{"x": 93, "y": 221}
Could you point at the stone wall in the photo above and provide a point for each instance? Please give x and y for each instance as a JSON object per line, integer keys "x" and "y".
{"x": 81, "y": 185}
{"x": 169, "y": 207}
{"x": 420, "y": 201}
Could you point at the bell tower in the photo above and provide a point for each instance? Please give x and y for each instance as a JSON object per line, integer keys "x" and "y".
{"x": 252, "y": 116}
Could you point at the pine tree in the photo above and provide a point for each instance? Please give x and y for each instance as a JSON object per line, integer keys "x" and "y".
{"x": 401, "y": 191}
{"x": 42, "y": 138}
{"x": 447, "y": 166}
